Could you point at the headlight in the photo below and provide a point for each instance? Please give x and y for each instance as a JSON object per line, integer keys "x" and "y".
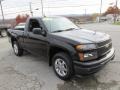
{"x": 85, "y": 47}
{"x": 88, "y": 56}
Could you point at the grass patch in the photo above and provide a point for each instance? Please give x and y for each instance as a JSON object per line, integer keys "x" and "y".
{"x": 117, "y": 23}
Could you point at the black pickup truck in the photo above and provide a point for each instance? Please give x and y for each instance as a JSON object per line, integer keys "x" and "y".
{"x": 68, "y": 48}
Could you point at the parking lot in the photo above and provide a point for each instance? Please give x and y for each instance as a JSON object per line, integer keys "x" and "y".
{"x": 33, "y": 73}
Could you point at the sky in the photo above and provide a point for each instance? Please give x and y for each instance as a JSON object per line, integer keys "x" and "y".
{"x": 54, "y": 7}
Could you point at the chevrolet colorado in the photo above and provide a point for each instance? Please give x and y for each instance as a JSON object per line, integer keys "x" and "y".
{"x": 69, "y": 49}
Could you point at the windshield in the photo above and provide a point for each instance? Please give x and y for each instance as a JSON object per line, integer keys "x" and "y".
{"x": 58, "y": 24}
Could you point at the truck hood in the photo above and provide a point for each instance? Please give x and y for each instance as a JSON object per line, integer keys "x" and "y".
{"x": 83, "y": 36}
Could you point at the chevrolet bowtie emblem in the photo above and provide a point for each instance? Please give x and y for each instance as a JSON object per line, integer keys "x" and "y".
{"x": 107, "y": 45}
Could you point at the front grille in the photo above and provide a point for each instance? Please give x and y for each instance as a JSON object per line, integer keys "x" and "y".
{"x": 104, "y": 47}
{"x": 104, "y": 43}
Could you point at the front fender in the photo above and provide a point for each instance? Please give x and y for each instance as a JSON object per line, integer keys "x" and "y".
{"x": 65, "y": 46}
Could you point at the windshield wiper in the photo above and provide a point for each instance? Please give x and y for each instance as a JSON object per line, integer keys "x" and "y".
{"x": 58, "y": 31}
{"x": 64, "y": 30}
{"x": 70, "y": 29}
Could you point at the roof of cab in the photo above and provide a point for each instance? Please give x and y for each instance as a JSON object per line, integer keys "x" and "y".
{"x": 45, "y": 17}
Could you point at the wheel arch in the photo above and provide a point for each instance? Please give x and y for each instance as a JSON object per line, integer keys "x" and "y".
{"x": 53, "y": 50}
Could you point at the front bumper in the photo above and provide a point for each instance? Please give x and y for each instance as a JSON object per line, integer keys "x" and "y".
{"x": 86, "y": 68}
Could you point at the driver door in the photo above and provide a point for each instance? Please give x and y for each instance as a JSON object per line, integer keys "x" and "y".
{"x": 34, "y": 43}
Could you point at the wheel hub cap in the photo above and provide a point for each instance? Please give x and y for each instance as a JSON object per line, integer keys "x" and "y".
{"x": 61, "y": 67}
{"x": 15, "y": 48}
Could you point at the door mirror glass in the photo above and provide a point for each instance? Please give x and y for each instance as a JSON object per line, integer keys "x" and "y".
{"x": 38, "y": 31}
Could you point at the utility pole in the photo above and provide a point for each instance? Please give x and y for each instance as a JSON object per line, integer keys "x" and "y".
{"x": 116, "y": 3}
{"x": 115, "y": 12}
{"x": 100, "y": 10}
{"x": 2, "y": 12}
{"x": 85, "y": 15}
{"x": 42, "y": 7}
{"x": 85, "y": 12}
{"x": 30, "y": 5}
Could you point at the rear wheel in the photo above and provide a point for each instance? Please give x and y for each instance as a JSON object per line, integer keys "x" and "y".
{"x": 3, "y": 33}
{"x": 17, "y": 50}
{"x": 62, "y": 66}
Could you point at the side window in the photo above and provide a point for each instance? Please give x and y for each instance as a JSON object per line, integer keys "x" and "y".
{"x": 33, "y": 24}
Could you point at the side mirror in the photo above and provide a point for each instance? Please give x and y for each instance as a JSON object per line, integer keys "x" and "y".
{"x": 39, "y": 31}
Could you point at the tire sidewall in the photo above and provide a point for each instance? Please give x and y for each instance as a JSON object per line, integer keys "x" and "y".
{"x": 20, "y": 51}
{"x": 67, "y": 60}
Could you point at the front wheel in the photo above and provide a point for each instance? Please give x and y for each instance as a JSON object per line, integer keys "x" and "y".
{"x": 62, "y": 66}
{"x": 17, "y": 50}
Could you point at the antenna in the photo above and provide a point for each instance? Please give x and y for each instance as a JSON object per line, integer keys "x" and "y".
{"x": 2, "y": 11}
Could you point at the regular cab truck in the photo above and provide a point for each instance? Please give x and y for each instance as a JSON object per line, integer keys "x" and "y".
{"x": 68, "y": 48}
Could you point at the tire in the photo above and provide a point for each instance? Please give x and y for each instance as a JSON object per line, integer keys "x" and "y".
{"x": 3, "y": 33}
{"x": 62, "y": 66}
{"x": 17, "y": 50}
